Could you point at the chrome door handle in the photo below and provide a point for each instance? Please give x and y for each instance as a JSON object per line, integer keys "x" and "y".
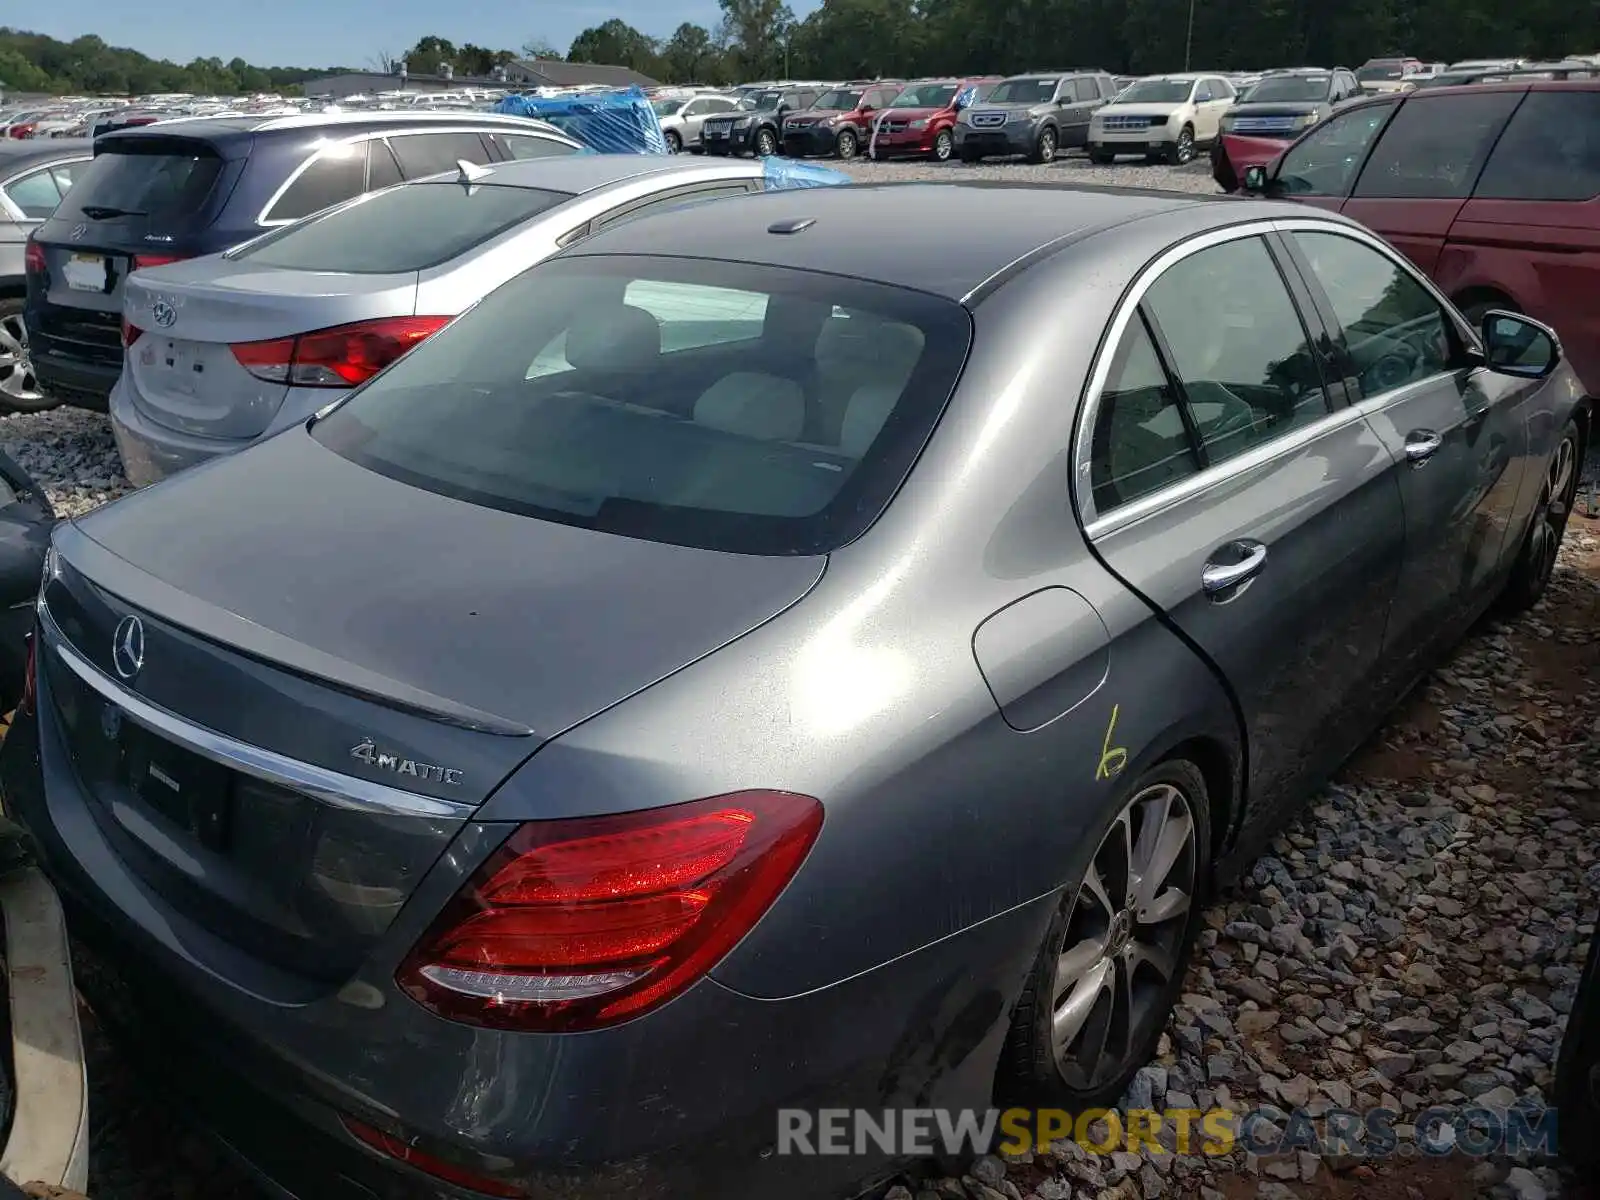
{"x": 1421, "y": 445}
{"x": 1219, "y": 577}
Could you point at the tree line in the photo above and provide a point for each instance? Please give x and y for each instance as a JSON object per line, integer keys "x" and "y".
{"x": 851, "y": 39}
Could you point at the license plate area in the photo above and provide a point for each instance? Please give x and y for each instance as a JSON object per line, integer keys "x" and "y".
{"x": 85, "y": 272}
{"x": 188, "y": 791}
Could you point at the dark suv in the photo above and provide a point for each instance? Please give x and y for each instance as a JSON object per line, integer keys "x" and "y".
{"x": 1286, "y": 103}
{"x": 179, "y": 189}
{"x": 757, "y": 128}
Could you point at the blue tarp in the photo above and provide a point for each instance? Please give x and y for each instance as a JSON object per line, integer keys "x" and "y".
{"x": 619, "y": 122}
{"x": 785, "y": 173}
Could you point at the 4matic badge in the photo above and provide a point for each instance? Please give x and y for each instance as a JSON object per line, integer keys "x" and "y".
{"x": 369, "y": 753}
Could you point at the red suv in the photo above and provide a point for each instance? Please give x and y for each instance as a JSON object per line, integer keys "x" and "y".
{"x": 1493, "y": 190}
{"x": 919, "y": 124}
{"x": 837, "y": 123}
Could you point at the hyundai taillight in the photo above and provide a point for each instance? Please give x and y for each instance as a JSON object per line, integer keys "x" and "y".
{"x": 33, "y": 260}
{"x": 141, "y": 261}
{"x": 339, "y": 357}
{"x": 428, "y": 1164}
{"x": 580, "y": 924}
{"x": 130, "y": 333}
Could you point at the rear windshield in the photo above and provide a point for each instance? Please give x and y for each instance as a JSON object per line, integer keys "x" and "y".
{"x": 752, "y": 409}
{"x": 1289, "y": 89}
{"x": 144, "y": 177}
{"x": 408, "y": 228}
{"x": 1022, "y": 91}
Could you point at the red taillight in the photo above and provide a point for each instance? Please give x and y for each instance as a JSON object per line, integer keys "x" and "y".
{"x": 339, "y": 357}
{"x": 141, "y": 261}
{"x": 580, "y": 924}
{"x": 33, "y": 262}
{"x": 22, "y": 131}
{"x": 130, "y": 333}
{"x": 30, "y": 682}
{"x": 387, "y": 1143}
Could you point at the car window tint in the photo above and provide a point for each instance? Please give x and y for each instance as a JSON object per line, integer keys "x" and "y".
{"x": 1203, "y": 93}
{"x": 521, "y": 146}
{"x": 66, "y": 174}
{"x": 1549, "y": 151}
{"x": 1395, "y": 333}
{"x": 1435, "y": 147}
{"x": 339, "y": 173}
{"x": 382, "y": 170}
{"x": 162, "y": 178}
{"x": 1237, "y": 346}
{"x": 423, "y": 154}
{"x": 722, "y": 448}
{"x": 1139, "y": 442}
{"x": 1325, "y": 161}
{"x": 404, "y": 229}
{"x": 36, "y": 194}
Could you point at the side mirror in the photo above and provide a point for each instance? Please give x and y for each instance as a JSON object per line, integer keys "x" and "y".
{"x": 866, "y": 108}
{"x": 1517, "y": 345}
{"x": 1255, "y": 179}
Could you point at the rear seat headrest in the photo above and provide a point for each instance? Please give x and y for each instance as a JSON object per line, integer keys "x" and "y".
{"x": 754, "y": 405}
{"x": 614, "y": 337}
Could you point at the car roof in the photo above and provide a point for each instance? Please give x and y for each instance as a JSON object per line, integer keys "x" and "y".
{"x": 17, "y": 155}
{"x": 223, "y": 127}
{"x": 878, "y": 231}
{"x": 578, "y": 173}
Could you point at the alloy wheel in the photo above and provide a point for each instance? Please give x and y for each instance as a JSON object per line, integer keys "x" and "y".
{"x": 17, "y": 381}
{"x": 1124, "y": 938}
{"x": 766, "y": 143}
{"x": 847, "y": 144}
{"x": 1047, "y": 146}
{"x": 1555, "y": 502}
{"x": 674, "y": 142}
{"x": 943, "y": 146}
{"x": 1185, "y": 146}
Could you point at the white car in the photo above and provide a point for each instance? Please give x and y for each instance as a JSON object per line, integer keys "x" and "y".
{"x": 1164, "y": 116}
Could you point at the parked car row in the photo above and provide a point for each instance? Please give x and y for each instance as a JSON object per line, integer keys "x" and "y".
{"x": 563, "y": 712}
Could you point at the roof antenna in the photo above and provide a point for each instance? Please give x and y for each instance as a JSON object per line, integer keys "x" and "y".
{"x": 469, "y": 173}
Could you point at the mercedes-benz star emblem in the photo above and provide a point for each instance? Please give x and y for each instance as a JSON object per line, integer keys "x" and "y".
{"x": 78, "y": 232}
{"x": 127, "y": 646}
{"x": 163, "y": 313}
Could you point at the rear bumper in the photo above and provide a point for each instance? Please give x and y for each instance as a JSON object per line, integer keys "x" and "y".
{"x": 70, "y": 380}
{"x": 682, "y": 1102}
{"x": 151, "y": 452}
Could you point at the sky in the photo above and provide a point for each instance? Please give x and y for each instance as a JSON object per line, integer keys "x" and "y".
{"x": 315, "y": 33}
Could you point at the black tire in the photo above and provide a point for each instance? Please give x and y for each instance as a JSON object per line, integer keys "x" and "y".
{"x": 1181, "y": 152}
{"x": 1577, "y": 1084}
{"x": 1536, "y": 559}
{"x": 19, "y": 388}
{"x": 944, "y": 145}
{"x": 674, "y": 142}
{"x": 1030, "y": 1070}
{"x": 848, "y": 144}
{"x": 1044, "y": 150}
{"x": 766, "y": 143}
{"x": 1101, "y": 158}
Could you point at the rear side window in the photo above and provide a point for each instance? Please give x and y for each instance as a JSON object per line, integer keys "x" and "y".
{"x": 382, "y": 170}
{"x": 1549, "y": 151}
{"x": 404, "y": 229}
{"x": 522, "y": 146}
{"x": 1435, "y": 147}
{"x": 787, "y": 443}
{"x": 337, "y": 174}
{"x": 1140, "y": 440}
{"x": 422, "y": 154}
{"x": 157, "y": 177}
{"x": 1238, "y": 347}
{"x": 36, "y": 195}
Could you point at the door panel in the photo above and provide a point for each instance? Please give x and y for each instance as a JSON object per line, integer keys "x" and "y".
{"x": 1417, "y": 228}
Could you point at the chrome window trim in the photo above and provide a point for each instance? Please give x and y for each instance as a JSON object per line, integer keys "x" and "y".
{"x": 551, "y": 135}
{"x": 1096, "y": 524}
{"x": 330, "y": 787}
{"x": 12, "y": 209}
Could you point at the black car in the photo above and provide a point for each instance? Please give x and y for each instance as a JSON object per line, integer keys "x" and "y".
{"x": 26, "y": 519}
{"x": 1285, "y": 103}
{"x": 757, "y": 127}
{"x": 179, "y": 189}
{"x": 1577, "y": 1088}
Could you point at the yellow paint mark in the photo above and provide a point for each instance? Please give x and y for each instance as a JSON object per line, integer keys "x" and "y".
{"x": 1112, "y": 758}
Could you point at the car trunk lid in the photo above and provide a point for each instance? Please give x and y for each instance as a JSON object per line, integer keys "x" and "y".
{"x": 423, "y": 646}
{"x": 186, "y": 376}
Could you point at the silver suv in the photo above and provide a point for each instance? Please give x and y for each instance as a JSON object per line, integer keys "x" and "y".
{"x": 1034, "y": 114}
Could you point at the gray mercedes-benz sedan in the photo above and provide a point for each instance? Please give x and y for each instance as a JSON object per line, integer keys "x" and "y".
{"x": 783, "y": 670}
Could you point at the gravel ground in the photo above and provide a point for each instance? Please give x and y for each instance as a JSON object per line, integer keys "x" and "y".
{"x": 1413, "y": 939}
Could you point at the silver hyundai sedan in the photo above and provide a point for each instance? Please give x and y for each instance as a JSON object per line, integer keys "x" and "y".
{"x": 224, "y": 350}
{"x": 750, "y": 663}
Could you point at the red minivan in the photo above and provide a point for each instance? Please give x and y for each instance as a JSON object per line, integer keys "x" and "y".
{"x": 1493, "y": 190}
